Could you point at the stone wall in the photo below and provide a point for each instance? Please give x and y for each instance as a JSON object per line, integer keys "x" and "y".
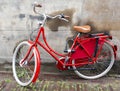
{"x": 17, "y": 20}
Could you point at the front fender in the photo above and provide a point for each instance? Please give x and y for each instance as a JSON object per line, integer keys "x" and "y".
{"x": 38, "y": 62}
{"x": 38, "y": 65}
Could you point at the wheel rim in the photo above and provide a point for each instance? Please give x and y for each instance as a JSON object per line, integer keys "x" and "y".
{"x": 100, "y": 68}
{"x": 25, "y": 74}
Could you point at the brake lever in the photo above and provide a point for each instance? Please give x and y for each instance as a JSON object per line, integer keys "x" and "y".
{"x": 64, "y": 19}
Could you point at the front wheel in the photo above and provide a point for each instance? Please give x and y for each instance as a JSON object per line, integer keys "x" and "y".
{"x": 102, "y": 66}
{"x": 25, "y": 74}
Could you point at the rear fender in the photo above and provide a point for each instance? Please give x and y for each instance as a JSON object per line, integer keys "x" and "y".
{"x": 113, "y": 46}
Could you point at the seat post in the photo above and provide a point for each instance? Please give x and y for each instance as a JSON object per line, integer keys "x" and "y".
{"x": 78, "y": 35}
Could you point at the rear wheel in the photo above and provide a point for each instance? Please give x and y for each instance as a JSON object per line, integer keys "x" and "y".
{"x": 24, "y": 73}
{"x": 102, "y": 66}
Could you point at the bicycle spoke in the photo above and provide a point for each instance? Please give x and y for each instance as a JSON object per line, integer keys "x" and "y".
{"x": 102, "y": 65}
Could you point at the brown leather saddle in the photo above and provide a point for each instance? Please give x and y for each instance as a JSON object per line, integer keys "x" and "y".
{"x": 82, "y": 29}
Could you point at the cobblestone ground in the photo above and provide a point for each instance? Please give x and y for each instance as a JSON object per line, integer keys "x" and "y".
{"x": 51, "y": 79}
{"x": 56, "y": 82}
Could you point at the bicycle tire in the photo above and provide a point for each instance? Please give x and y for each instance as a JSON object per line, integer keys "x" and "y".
{"x": 96, "y": 70}
{"x": 24, "y": 75}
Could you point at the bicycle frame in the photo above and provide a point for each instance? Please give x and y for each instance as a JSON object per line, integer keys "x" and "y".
{"x": 53, "y": 53}
{"x": 86, "y": 56}
{"x": 81, "y": 41}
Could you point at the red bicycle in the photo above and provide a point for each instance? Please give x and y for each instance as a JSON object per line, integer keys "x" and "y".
{"x": 91, "y": 56}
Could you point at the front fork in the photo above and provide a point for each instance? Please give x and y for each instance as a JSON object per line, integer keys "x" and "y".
{"x": 25, "y": 60}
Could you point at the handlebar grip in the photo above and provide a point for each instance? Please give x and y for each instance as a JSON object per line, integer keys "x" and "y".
{"x": 65, "y": 16}
{"x": 37, "y": 4}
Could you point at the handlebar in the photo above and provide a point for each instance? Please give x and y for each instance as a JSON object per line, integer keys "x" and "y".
{"x": 60, "y": 16}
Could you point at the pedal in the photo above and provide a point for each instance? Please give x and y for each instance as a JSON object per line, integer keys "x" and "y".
{"x": 68, "y": 51}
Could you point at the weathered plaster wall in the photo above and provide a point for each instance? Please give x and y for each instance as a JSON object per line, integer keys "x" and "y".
{"x": 17, "y": 19}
